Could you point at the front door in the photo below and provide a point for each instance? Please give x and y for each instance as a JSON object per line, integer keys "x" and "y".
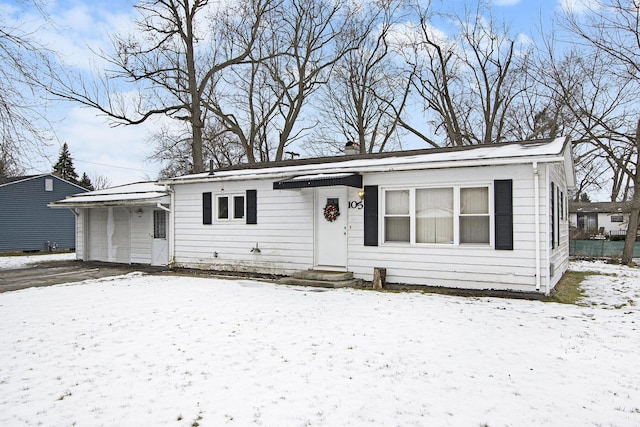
{"x": 160, "y": 244}
{"x": 331, "y": 228}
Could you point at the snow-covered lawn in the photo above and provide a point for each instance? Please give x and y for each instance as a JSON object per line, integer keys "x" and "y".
{"x": 180, "y": 351}
{"x": 23, "y": 261}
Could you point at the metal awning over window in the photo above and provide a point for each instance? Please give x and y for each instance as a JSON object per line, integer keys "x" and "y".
{"x": 320, "y": 180}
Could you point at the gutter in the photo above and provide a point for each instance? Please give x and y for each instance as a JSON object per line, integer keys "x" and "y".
{"x": 288, "y": 171}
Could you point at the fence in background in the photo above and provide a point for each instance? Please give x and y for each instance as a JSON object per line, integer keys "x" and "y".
{"x": 600, "y": 248}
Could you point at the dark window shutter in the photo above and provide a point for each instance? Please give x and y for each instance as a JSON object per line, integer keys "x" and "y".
{"x": 371, "y": 215}
{"x": 252, "y": 207}
{"x": 503, "y": 198}
{"x": 206, "y": 208}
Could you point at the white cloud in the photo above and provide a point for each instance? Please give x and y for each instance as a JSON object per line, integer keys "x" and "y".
{"x": 505, "y": 2}
{"x": 578, "y": 6}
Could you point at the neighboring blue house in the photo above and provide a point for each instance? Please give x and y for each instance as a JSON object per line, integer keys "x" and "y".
{"x": 27, "y": 223}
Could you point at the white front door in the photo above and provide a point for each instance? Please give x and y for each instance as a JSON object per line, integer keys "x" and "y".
{"x": 160, "y": 242}
{"x": 330, "y": 233}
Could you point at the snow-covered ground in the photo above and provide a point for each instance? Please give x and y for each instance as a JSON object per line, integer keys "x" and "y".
{"x": 181, "y": 351}
{"x": 26, "y": 260}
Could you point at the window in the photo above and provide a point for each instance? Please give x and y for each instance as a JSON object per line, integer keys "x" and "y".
{"x": 447, "y": 215}
{"x": 230, "y": 207}
{"x": 159, "y": 225}
{"x": 617, "y": 218}
{"x": 397, "y": 221}
{"x": 48, "y": 184}
{"x": 238, "y": 207}
{"x": 434, "y": 215}
{"x": 223, "y": 207}
{"x": 474, "y": 215}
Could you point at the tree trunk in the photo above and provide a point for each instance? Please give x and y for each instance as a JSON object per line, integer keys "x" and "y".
{"x": 632, "y": 230}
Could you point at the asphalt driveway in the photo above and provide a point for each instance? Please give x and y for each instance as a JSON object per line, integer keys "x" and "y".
{"x": 54, "y": 273}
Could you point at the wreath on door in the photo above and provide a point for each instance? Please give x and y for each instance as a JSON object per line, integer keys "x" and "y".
{"x": 331, "y": 212}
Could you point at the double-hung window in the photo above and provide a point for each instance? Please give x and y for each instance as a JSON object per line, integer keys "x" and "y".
{"x": 447, "y": 215}
{"x": 397, "y": 218}
{"x": 230, "y": 207}
{"x": 474, "y": 215}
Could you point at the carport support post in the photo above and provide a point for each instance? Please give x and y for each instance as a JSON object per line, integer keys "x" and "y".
{"x": 379, "y": 277}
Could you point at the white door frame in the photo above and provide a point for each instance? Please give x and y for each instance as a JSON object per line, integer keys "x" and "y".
{"x": 330, "y": 238}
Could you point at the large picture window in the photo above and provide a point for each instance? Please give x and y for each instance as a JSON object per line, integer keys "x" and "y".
{"x": 449, "y": 215}
{"x": 434, "y": 215}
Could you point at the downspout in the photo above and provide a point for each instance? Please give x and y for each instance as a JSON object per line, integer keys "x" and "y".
{"x": 536, "y": 192}
{"x": 172, "y": 225}
{"x": 548, "y": 231}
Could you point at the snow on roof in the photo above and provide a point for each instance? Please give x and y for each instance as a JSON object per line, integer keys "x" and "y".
{"x": 140, "y": 192}
{"x": 515, "y": 152}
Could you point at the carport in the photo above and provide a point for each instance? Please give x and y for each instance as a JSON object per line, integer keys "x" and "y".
{"x": 127, "y": 224}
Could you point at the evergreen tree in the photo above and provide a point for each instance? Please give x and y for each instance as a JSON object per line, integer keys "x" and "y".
{"x": 86, "y": 182}
{"x": 64, "y": 167}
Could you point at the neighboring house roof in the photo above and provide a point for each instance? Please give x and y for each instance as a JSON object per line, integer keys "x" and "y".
{"x": 140, "y": 193}
{"x": 599, "y": 207}
{"x": 547, "y": 150}
{"x": 16, "y": 179}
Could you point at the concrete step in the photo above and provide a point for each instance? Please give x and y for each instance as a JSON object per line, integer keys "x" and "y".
{"x": 323, "y": 275}
{"x": 296, "y": 281}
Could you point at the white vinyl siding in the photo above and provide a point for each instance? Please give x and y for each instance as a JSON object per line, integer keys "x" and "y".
{"x": 283, "y": 233}
{"x": 285, "y": 229}
{"x": 475, "y": 266}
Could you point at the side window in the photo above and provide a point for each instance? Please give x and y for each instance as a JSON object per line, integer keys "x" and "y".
{"x": 238, "y": 207}
{"x": 48, "y": 184}
{"x": 223, "y": 207}
{"x": 230, "y": 207}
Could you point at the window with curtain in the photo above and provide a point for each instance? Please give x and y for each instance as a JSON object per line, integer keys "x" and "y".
{"x": 397, "y": 219}
{"x": 449, "y": 215}
{"x": 434, "y": 215}
{"x": 474, "y": 215}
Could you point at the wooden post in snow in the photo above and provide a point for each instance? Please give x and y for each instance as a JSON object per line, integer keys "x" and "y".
{"x": 379, "y": 277}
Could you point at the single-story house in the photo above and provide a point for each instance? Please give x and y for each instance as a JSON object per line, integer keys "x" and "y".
{"x": 475, "y": 217}
{"x": 27, "y": 224}
{"x": 599, "y": 219}
{"x": 124, "y": 224}
{"x": 479, "y": 217}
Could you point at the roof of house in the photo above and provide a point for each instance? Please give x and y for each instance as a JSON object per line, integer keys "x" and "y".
{"x": 599, "y": 207}
{"x": 16, "y": 179}
{"x": 139, "y": 193}
{"x": 546, "y": 150}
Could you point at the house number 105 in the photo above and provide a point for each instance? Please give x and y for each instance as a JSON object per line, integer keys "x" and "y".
{"x": 356, "y": 204}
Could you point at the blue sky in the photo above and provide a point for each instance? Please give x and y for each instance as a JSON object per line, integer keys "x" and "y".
{"x": 77, "y": 26}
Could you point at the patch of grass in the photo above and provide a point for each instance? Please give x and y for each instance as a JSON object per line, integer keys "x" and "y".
{"x": 568, "y": 290}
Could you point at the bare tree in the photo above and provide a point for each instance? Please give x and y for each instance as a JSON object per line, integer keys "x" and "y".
{"x": 609, "y": 32}
{"x": 22, "y": 127}
{"x": 173, "y": 149}
{"x": 468, "y": 82}
{"x": 263, "y": 103}
{"x": 367, "y": 93}
{"x": 178, "y": 51}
